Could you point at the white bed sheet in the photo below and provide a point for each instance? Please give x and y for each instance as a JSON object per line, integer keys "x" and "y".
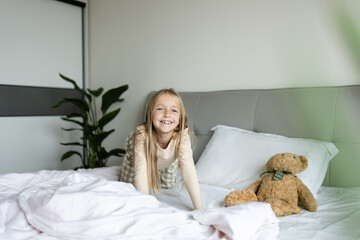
{"x": 337, "y": 217}
{"x": 56, "y": 205}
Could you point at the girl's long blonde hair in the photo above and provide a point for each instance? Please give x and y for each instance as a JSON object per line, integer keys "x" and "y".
{"x": 153, "y": 177}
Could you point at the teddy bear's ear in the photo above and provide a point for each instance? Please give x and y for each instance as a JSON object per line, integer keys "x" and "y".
{"x": 304, "y": 162}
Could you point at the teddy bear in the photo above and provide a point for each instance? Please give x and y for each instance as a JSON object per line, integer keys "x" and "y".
{"x": 278, "y": 186}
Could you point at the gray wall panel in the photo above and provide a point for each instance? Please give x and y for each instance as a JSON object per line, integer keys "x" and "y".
{"x": 34, "y": 101}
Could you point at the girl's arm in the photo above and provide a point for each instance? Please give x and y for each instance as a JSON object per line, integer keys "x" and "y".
{"x": 140, "y": 166}
{"x": 188, "y": 172}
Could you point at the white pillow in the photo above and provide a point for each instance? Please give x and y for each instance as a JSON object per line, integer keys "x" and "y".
{"x": 235, "y": 158}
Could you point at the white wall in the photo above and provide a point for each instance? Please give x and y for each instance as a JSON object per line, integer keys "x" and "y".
{"x": 201, "y": 45}
{"x": 39, "y": 39}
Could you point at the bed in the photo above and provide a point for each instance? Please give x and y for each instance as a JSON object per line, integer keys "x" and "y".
{"x": 236, "y": 132}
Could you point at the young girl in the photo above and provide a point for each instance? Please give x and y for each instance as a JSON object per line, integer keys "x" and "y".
{"x": 159, "y": 145}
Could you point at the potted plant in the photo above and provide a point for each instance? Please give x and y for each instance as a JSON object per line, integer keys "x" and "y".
{"x": 91, "y": 124}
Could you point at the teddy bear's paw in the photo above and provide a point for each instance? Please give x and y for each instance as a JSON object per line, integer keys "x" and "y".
{"x": 239, "y": 197}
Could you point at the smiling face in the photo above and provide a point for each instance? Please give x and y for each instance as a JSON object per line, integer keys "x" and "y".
{"x": 166, "y": 114}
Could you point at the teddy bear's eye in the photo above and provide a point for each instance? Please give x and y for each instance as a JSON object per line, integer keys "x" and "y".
{"x": 294, "y": 157}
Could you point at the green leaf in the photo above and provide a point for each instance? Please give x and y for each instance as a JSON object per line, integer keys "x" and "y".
{"x": 72, "y": 120}
{"x": 103, "y": 154}
{"x": 97, "y": 92}
{"x": 98, "y": 138}
{"x": 71, "y": 129}
{"x": 80, "y": 103}
{"x": 117, "y": 152}
{"x": 71, "y": 115}
{"x": 107, "y": 118}
{"x": 89, "y": 129}
{"x": 112, "y": 96}
{"x": 69, "y": 154}
{"x": 73, "y": 143}
{"x": 59, "y": 104}
{"x": 76, "y": 87}
{"x": 70, "y": 81}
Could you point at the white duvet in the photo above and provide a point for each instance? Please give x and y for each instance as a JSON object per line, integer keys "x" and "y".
{"x": 337, "y": 216}
{"x": 72, "y": 205}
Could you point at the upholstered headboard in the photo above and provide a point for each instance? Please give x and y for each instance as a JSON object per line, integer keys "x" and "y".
{"x": 324, "y": 113}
